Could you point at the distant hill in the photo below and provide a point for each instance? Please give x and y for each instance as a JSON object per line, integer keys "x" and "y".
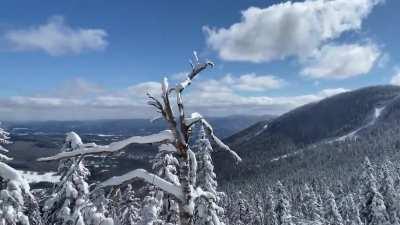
{"x": 32, "y": 140}
{"x": 224, "y": 126}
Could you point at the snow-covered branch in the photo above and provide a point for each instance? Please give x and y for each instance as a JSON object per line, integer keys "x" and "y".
{"x": 197, "y": 117}
{"x": 3, "y": 149}
{"x": 218, "y": 141}
{"x": 4, "y": 158}
{"x": 197, "y": 67}
{"x": 12, "y": 174}
{"x": 148, "y": 177}
{"x": 92, "y": 149}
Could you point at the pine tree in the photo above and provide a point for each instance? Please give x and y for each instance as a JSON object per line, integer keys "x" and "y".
{"x": 332, "y": 215}
{"x": 152, "y": 205}
{"x": 115, "y": 200}
{"x": 12, "y": 205}
{"x": 340, "y": 197}
{"x": 100, "y": 201}
{"x": 351, "y": 214}
{"x": 373, "y": 209}
{"x": 130, "y": 207}
{"x": 390, "y": 196}
{"x": 310, "y": 206}
{"x": 282, "y": 208}
{"x": 4, "y": 139}
{"x": 207, "y": 211}
{"x": 165, "y": 166}
{"x": 270, "y": 217}
{"x": 69, "y": 202}
{"x": 17, "y": 204}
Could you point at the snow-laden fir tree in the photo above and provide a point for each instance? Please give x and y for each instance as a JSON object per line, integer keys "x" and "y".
{"x": 129, "y": 207}
{"x": 244, "y": 213}
{"x": 4, "y": 139}
{"x": 270, "y": 217}
{"x": 151, "y": 208}
{"x": 390, "y": 196}
{"x": 311, "y": 209}
{"x": 114, "y": 204}
{"x": 165, "y": 166}
{"x": 100, "y": 201}
{"x": 351, "y": 214}
{"x": 207, "y": 211}
{"x": 340, "y": 197}
{"x": 373, "y": 209}
{"x": 17, "y": 204}
{"x": 332, "y": 215}
{"x": 282, "y": 208}
{"x": 260, "y": 210}
{"x": 69, "y": 203}
{"x": 12, "y": 210}
{"x": 178, "y": 136}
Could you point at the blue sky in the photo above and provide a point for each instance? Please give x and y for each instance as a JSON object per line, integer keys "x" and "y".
{"x": 95, "y": 59}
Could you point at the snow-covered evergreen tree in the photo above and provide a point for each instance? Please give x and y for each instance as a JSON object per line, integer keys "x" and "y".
{"x": 311, "y": 208}
{"x": 100, "y": 201}
{"x": 373, "y": 209}
{"x": 283, "y": 208}
{"x": 270, "y": 217}
{"x": 69, "y": 203}
{"x": 244, "y": 214}
{"x": 351, "y": 214}
{"x": 17, "y": 204}
{"x": 4, "y": 139}
{"x": 115, "y": 199}
{"x": 340, "y": 197}
{"x": 207, "y": 211}
{"x": 332, "y": 215}
{"x": 151, "y": 208}
{"x": 165, "y": 166}
{"x": 12, "y": 210}
{"x": 390, "y": 196}
{"x": 130, "y": 207}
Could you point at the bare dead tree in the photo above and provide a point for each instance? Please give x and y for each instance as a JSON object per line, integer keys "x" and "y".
{"x": 176, "y": 138}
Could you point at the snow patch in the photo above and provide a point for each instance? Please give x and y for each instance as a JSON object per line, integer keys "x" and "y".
{"x": 261, "y": 130}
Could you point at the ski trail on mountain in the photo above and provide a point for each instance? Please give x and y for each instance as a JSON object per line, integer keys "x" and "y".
{"x": 353, "y": 134}
{"x": 349, "y": 136}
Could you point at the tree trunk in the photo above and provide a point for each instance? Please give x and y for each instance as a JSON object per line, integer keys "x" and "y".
{"x": 185, "y": 207}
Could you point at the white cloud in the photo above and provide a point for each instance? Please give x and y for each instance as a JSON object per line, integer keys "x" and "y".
{"x": 57, "y": 38}
{"x": 247, "y": 82}
{"x": 395, "y": 79}
{"x": 252, "y": 82}
{"x": 210, "y": 97}
{"x": 287, "y": 29}
{"x": 341, "y": 61}
{"x": 142, "y": 89}
{"x": 78, "y": 87}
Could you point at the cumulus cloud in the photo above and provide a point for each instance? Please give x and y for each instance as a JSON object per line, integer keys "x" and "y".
{"x": 217, "y": 98}
{"x": 57, "y": 38}
{"x": 248, "y": 82}
{"x": 341, "y": 61}
{"x": 395, "y": 79}
{"x": 287, "y": 29}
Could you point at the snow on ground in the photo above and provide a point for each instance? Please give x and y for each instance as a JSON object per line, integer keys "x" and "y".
{"x": 35, "y": 177}
{"x": 261, "y": 130}
{"x": 286, "y": 155}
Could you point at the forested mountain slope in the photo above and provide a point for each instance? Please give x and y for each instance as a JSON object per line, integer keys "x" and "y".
{"x": 328, "y": 136}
